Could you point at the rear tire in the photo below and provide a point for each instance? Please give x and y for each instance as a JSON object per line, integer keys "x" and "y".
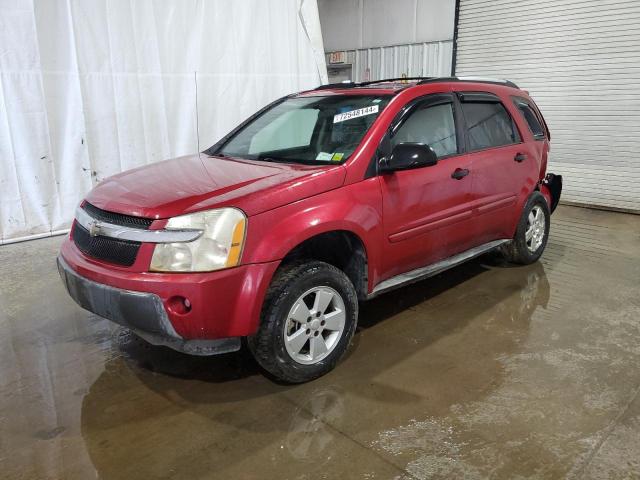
{"x": 308, "y": 318}
{"x": 532, "y": 232}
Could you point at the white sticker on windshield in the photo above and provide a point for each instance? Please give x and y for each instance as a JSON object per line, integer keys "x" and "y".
{"x": 324, "y": 156}
{"x": 361, "y": 112}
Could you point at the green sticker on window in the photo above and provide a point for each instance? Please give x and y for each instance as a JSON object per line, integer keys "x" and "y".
{"x": 337, "y": 157}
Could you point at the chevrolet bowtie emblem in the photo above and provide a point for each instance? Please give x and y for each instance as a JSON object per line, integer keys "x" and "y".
{"x": 94, "y": 228}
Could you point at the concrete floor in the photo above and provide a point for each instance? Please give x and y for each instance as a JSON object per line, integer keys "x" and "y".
{"x": 485, "y": 371}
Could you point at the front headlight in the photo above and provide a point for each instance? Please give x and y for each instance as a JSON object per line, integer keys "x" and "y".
{"x": 219, "y": 246}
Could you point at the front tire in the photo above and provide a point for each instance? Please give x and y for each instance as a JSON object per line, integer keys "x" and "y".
{"x": 308, "y": 318}
{"x": 532, "y": 232}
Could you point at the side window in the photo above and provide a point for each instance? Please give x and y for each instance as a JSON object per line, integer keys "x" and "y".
{"x": 531, "y": 118}
{"x": 433, "y": 125}
{"x": 489, "y": 125}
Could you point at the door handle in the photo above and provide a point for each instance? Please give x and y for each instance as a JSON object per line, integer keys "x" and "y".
{"x": 460, "y": 173}
{"x": 520, "y": 157}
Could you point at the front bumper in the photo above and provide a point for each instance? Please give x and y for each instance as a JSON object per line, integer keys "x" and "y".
{"x": 141, "y": 312}
{"x": 224, "y": 304}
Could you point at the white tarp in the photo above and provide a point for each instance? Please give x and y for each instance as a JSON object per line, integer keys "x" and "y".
{"x": 89, "y": 88}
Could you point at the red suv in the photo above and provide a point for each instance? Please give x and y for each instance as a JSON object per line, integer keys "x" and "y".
{"x": 319, "y": 200}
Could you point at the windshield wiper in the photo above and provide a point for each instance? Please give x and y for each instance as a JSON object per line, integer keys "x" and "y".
{"x": 272, "y": 159}
{"x": 275, "y": 159}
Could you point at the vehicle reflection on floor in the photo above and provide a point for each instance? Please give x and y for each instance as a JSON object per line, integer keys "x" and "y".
{"x": 225, "y": 405}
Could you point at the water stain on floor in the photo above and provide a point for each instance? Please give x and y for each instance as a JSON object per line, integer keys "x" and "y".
{"x": 485, "y": 371}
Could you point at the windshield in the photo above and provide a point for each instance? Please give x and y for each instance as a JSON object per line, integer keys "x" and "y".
{"x": 308, "y": 130}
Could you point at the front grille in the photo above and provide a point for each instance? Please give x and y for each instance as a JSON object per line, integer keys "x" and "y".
{"x": 121, "y": 252}
{"x": 117, "y": 218}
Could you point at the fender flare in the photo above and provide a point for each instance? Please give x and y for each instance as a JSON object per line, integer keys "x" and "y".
{"x": 283, "y": 231}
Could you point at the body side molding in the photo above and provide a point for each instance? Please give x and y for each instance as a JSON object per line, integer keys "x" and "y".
{"x": 433, "y": 269}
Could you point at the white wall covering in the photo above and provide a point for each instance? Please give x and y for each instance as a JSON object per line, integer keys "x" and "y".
{"x": 89, "y": 88}
{"x": 580, "y": 60}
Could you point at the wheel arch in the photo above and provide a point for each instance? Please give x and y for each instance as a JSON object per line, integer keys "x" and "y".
{"x": 296, "y": 231}
{"x": 344, "y": 249}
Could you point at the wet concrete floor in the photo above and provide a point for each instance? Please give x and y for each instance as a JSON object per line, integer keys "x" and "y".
{"x": 485, "y": 371}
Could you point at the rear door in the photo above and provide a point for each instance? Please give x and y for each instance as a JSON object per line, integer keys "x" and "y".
{"x": 501, "y": 165}
{"x": 536, "y": 128}
{"x": 427, "y": 211}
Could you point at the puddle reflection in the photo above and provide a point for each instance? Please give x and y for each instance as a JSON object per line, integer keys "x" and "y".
{"x": 156, "y": 408}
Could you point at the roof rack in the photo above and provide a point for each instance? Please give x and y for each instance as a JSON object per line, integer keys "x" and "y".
{"x": 495, "y": 81}
{"x": 395, "y": 79}
{"x": 420, "y": 80}
{"x": 327, "y": 86}
{"x": 370, "y": 82}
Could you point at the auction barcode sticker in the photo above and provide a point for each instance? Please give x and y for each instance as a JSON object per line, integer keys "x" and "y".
{"x": 361, "y": 112}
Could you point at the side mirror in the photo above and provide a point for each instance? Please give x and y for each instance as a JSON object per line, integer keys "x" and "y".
{"x": 405, "y": 156}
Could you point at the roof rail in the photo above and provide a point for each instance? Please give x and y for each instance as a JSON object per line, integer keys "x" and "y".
{"x": 370, "y": 82}
{"x": 488, "y": 80}
{"x": 395, "y": 79}
{"x": 327, "y": 86}
{"x": 495, "y": 81}
{"x": 420, "y": 80}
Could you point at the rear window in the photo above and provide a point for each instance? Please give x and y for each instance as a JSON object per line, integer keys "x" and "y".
{"x": 489, "y": 125}
{"x": 531, "y": 118}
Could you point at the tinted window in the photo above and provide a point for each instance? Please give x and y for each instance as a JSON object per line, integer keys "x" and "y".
{"x": 531, "y": 119}
{"x": 489, "y": 125}
{"x": 433, "y": 125}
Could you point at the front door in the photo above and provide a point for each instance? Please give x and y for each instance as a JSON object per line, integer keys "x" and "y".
{"x": 427, "y": 211}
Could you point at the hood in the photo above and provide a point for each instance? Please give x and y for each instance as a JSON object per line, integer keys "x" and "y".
{"x": 200, "y": 182}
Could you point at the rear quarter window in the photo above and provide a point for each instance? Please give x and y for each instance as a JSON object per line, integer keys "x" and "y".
{"x": 529, "y": 115}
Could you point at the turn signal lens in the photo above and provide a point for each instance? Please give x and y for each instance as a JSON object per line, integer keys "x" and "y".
{"x": 237, "y": 241}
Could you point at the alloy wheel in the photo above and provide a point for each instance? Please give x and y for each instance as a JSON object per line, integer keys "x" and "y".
{"x": 536, "y": 226}
{"x": 314, "y": 325}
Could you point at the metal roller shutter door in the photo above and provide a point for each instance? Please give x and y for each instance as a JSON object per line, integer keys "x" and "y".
{"x": 580, "y": 60}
